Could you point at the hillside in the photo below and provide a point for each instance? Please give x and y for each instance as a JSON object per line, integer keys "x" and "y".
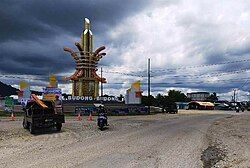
{"x": 7, "y": 90}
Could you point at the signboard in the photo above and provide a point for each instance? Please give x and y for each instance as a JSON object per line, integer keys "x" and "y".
{"x": 50, "y": 93}
{"x": 89, "y": 98}
{"x": 52, "y": 90}
{"x": 134, "y": 94}
{"x": 23, "y": 99}
{"x": 24, "y": 93}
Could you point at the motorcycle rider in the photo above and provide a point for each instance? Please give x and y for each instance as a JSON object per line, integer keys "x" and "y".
{"x": 237, "y": 109}
{"x": 103, "y": 111}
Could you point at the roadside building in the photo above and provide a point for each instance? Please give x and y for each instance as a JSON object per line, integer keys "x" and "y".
{"x": 198, "y": 96}
{"x": 201, "y": 105}
{"x": 182, "y": 105}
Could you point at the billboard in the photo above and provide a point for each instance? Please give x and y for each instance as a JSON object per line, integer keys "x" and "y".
{"x": 24, "y": 93}
{"x": 134, "y": 94}
{"x": 50, "y": 93}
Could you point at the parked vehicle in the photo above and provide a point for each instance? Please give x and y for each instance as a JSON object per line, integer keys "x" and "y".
{"x": 170, "y": 107}
{"x": 37, "y": 116}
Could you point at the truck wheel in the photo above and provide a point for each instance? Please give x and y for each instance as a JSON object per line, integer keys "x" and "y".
{"x": 58, "y": 126}
{"x": 31, "y": 128}
{"x": 25, "y": 124}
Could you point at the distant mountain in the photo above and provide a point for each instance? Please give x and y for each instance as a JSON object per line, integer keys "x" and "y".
{"x": 8, "y": 90}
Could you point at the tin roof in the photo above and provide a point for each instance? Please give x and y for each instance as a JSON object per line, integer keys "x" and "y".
{"x": 203, "y": 103}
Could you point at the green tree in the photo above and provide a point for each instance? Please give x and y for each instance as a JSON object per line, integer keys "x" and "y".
{"x": 159, "y": 99}
{"x": 177, "y": 96}
{"x": 121, "y": 97}
{"x": 162, "y": 100}
{"x": 212, "y": 98}
{"x": 148, "y": 101}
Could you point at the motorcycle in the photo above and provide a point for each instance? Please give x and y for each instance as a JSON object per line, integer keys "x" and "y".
{"x": 102, "y": 121}
{"x": 237, "y": 109}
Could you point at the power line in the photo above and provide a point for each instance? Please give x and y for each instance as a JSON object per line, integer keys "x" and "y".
{"x": 200, "y": 66}
{"x": 139, "y": 74}
{"x": 199, "y": 75}
{"x": 244, "y": 84}
{"x": 215, "y": 74}
{"x": 184, "y": 82}
{"x": 184, "y": 67}
{"x": 128, "y": 74}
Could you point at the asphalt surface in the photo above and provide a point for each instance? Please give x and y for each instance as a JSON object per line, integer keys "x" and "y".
{"x": 161, "y": 140}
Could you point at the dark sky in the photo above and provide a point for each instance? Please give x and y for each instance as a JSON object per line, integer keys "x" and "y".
{"x": 33, "y": 33}
{"x": 174, "y": 34}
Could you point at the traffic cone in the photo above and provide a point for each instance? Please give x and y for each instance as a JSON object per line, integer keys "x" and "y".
{"x": 90, "y": 118}
{"x": 12, "y": 117}
{"x": 79, "y": 118}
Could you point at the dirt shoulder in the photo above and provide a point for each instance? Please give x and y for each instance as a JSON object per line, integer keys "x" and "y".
{"x": 229, "y": 143}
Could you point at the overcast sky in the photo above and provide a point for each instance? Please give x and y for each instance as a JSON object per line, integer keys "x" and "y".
{"x": 193, "y": 45}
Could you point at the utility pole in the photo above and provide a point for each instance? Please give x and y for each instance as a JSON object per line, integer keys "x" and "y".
{"x": 234, "y": 97}
{"x": 101, "y": 84}
{"x": 249, "y": 95}
{"x": 149, "y": 86}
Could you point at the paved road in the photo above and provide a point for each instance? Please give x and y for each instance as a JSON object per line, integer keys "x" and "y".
{"x": 134, "y": 141}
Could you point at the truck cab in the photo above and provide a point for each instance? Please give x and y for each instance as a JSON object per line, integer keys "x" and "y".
{"x": 37, "y": 116}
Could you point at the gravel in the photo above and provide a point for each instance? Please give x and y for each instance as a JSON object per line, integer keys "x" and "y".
{"x": 231, "y": 137}
{"x": 162, "y": 140}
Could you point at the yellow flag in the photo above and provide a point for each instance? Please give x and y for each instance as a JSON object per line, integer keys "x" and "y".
{"x": 136, "y": 85}
{"x": 23, "y": 85}
{"x": 52, "y": 81}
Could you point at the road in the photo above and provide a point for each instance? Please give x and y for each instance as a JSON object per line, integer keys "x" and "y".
{"x": 160, "y": 140}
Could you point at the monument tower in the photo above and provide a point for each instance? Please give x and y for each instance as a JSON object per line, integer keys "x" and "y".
{"x": 85, "y": 81}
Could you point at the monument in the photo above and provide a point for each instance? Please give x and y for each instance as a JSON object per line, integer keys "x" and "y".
{"x": 85, "y": 81}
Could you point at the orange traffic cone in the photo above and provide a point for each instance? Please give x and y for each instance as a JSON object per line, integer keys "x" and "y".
{"x": 79, "y": 118}
{"x": 12, "y": 117}
{"x": 90, "y": 118}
